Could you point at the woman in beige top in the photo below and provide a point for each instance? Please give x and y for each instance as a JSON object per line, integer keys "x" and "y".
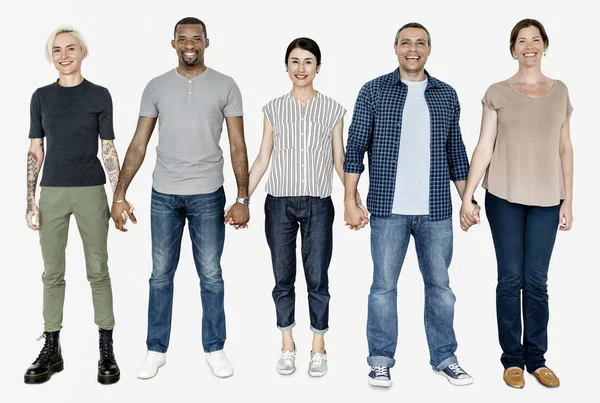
{"x": 525, "y": 151}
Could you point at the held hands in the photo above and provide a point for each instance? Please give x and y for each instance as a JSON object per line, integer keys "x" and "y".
{"x": 121, "y": 212}
{"x": 469, "y": 215}
{"x": 237, "y": 215}
{"x": 32, "y": 217}
{"x": 355, "y": 215}
{"x": 565, "y": 217}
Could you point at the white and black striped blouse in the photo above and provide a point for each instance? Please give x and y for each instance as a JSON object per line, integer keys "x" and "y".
{"x": 302, "y": 160}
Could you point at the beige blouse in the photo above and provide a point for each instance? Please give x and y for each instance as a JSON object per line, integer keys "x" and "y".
{"x": 525, "y": 166}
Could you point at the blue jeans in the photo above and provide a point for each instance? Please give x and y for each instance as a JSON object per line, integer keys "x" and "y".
{"x": 314, "y": 217}
{"x": 523, "y": 238}
{"x": 433, "y": 243}
{"x": 204, "y": 213}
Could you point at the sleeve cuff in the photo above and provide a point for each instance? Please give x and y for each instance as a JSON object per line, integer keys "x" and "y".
{"x": 353, "y": 168}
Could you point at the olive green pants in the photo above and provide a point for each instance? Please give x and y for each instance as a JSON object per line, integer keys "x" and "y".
{"x": 89, "y": 206}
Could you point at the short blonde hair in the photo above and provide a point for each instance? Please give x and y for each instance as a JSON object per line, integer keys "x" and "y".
{"x": 60, "y": 30}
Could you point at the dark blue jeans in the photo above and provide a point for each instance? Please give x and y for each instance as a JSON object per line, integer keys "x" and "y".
{"x": 433, "y": 244}
{"x": 523, "y": 238}
{"x": 314, "y": 216}
{"x": 204, "y": 213}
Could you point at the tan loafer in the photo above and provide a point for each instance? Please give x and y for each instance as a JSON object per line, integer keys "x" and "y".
{"x": 513, "y": 377}
{"x": 547, "y": 377}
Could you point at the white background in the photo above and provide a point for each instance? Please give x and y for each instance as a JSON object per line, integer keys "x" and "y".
{"x": 130, "y": 44}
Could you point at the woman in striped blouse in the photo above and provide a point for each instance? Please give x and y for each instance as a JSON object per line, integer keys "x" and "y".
{"x": 303, "y": 135}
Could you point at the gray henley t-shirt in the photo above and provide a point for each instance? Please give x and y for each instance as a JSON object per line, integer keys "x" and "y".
{"x": 190, "y": 115}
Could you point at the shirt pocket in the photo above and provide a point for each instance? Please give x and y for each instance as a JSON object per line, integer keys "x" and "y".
{"x": 319, "y": 135}
{"x": 284, "y": 135}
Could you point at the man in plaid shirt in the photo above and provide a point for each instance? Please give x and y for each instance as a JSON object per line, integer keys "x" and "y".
{"x": 408, "y": 123}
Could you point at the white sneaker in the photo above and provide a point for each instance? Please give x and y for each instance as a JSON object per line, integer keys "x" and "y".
{"x": 318, "y": 364}
{"x": 287, "y": 362}
{"x": 152, "y": 362}
{"x": 219, "y": 363}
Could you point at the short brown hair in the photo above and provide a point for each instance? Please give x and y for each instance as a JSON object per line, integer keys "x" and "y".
{"x": 527, "y": 22}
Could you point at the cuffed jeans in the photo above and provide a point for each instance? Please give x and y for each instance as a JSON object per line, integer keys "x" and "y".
{"x": 433, "y": 243}
{"x": 204, "y": 213}
{"x": 523, "y": 238}
{"x": 314, "y": 216}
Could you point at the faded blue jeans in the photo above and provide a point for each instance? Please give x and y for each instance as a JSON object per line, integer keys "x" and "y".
{"x": 433, "y": 243}
{"x": 204, "y": 214}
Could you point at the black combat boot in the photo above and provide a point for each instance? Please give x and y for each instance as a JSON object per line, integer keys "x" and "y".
{"x": 48, "y": 362}
{"x": 108, "y": 370}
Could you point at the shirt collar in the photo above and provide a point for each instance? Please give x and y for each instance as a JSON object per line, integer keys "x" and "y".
{"x": 432, "y": 82}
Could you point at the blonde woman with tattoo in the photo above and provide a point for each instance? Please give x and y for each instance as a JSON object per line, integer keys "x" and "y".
{"x": 69, "y": 115}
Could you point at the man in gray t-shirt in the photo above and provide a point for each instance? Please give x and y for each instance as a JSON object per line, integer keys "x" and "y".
{"x": 190, "y": 103}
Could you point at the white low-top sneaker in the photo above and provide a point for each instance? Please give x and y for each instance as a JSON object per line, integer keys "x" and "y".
{"x": 152, "y": 362}
{"x": 219, "y": 363}
{"x": 317, "y": 365}
{"x": 287, "y": 362}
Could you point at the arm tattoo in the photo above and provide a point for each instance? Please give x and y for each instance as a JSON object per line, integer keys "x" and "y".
{"x": 33, "y": 169}
{"x": 111, "y": 162}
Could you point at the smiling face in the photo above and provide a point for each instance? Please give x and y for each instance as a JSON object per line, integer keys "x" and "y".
{"x": 67, "y": 54}
{"x": 302, "y": 67}
{"x": 190, "y": 43}
{"x": 529, "y": 46}
{"x": 412, "y": 50}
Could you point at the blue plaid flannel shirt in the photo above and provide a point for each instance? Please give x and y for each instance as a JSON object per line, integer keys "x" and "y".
{"x": 375, "y": 128}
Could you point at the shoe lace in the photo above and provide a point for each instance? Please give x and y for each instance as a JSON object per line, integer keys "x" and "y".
{"x": 47, "y": 349}
{"x": 317, "y": 359}
{"x": 106, "y": 348}
{"x": 456, "y": 369}
{"x": 380, "y": 370}
{"x": 288, "y": 356}
{"x": 217, "y": 357}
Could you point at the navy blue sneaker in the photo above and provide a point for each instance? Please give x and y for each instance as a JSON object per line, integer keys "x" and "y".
{"x": 455, "y": 375}
{"x": 380, "y": 376}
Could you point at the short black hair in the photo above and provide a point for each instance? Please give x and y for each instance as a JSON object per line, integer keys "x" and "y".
{"x": 190, "y": 21}
{"x": 413, "y": 25}
{"x": 306, "y": 44}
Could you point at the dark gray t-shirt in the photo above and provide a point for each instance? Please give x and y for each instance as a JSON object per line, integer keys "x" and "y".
{"x": 71, "y": 119}
{"x": 190, "y": 115}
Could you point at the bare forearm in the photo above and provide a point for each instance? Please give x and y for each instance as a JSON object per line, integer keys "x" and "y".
{"x": 133, "y": 161}
{"x": 239, "y": 161}
{"x": 111, "y": 163}
{"x": 259, "y": 167}
{"x": 480, "y": 162}
{"x": 34, "y": 164}
{"x": 339, "y": 169}
{"x": 566, "y": 162}
{"x": 350, "y": 187}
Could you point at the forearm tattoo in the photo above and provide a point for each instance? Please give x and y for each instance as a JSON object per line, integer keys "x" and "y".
{"x": 33, "y": 169}
{"x": 111, "y": 162}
